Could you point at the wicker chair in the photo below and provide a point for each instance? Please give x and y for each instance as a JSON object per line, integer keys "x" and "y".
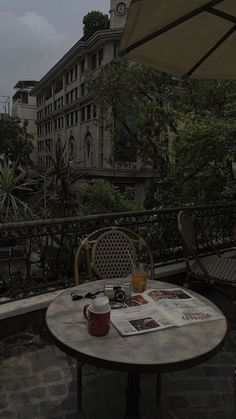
{"x": 213, "y": 268}
{"x": 107, "y": 253}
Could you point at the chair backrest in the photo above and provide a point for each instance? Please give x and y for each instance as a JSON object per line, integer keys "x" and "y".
{"x": 108, "y": 252}
{"x": 187, "y": 229}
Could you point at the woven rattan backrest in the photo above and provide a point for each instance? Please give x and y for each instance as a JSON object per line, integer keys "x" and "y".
{"x": 105, "y": 253}
{"x": 111, "y": 255}
{"x": 186, "y": 225}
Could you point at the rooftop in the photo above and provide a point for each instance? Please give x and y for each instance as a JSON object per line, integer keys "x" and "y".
{"x": 24, "y": 84}
{"x": 80, "y": 48}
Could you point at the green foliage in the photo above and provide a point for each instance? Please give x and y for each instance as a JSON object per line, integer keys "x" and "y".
{"x": 15, "y": 143}
{"x": 95, "y": 21}
{"x": 15, "y": 187}
{"x": 185, "y": 129}
{"x": 101, "y": 197}
{"x": 62, "y": 184}
{"x": 134, "y": 102}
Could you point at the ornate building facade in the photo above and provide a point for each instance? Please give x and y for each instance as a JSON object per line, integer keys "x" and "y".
{"x": 66, "y": 111}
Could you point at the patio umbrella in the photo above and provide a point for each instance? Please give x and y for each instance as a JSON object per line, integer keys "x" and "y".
{"x": 190, "y": 38}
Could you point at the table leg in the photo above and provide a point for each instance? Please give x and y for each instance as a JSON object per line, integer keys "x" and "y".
{"x": 79, "y": 386}
{"x": 132, "y": 396}
{"x": 158, "y": 390}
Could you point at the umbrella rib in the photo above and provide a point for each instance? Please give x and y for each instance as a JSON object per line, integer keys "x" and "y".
{"x": 224, "y": 15}
{"x": 171, "y": 25}
{"x": 213, "y": 49}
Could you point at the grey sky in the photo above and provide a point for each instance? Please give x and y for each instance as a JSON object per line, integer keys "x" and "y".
{"x": 35, "y": 34}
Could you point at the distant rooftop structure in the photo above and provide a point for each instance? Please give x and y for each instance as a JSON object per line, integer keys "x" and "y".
{"x": 24, "y": 107}
{"x": 25, "y": 84}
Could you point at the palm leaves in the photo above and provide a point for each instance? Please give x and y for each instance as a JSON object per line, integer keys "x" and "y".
{"x": 60, "y": 179}
{"x": 14, "y": 188}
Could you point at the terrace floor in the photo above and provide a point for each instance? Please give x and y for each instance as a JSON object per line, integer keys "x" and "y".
{"x": 38, "y": 381}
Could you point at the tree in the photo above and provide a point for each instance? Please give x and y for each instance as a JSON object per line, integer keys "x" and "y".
{"x": 62, "y": 183}
{"x": 135, "y": 103}
{"x": 95, "y": 21}
{"x": 15, "y": 188}
{"x": 101, "y": 197}
{"x": 15, "y": 142}
{"x": 184, "y": 128}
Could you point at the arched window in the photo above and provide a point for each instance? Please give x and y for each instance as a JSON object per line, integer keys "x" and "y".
{"x": 88, "y": 150}
{"x": 71, "y": 147}
{"x": 88, "y": 143}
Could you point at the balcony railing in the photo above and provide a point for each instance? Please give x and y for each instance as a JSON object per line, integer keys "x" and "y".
{"x": 38, "y": 256}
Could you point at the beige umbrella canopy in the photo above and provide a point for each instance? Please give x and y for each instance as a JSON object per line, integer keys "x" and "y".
{"x": 191, "y": 38}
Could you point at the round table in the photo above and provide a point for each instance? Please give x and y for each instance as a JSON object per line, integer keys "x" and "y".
{"x": 155, "y": 352}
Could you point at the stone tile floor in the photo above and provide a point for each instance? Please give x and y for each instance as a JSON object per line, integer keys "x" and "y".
{"x": 38, "y": 381}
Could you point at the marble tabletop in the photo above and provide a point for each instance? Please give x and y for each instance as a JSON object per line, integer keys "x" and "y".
{"x": 157, "y": 351}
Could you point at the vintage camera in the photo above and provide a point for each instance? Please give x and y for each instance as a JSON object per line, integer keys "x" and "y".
{"x": 118, "y": 292}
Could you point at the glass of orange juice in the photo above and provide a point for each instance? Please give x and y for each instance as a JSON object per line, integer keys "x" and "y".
{"x": 139, "y": 280}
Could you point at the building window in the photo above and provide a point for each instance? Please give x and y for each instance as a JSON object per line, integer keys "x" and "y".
{"x": 48, "y": 144}
{"x": 59, "y": 103}
{"x": 67, "y": 77}
{"x": 76, "y": 72}
{"x": 82, "y": 66}
{"x": 76, "y": 93}
{"x": 72, "y": 118}
{"x": 58, "y": 85}
{"x": 89, "y": 112}
{"x": 116, "y": 50}
{"x": 94, "y": 111}
{"x": 88, "y": 144}
{"x": 82, "y": 89}
{"x": 39, "y": 130}
{"x": 83, "y": 114}
{"x": 100, "y": 57}
{"x": 39, "y": 100}
{"x": 71, "y": 74}
{"x": 48, "y": 92}
{"x": 67, "y": 119}
{"x": 94, "y": 61}
{"x": 76, "y": 117}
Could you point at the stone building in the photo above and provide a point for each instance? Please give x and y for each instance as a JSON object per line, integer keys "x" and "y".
{"x": 67, "y": 113}
{"x": 24, "y": 108}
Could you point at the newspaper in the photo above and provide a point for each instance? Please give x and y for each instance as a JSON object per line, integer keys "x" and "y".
{"x": 157, "y": 309}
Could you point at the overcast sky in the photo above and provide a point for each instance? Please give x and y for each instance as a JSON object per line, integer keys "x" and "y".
{"x": 35, "y": 34}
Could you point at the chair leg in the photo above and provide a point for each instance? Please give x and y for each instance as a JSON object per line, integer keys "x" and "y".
{"x": 234, "y": 387}
{"x": 79, "y": 386}
{"x": 186, "y": 283}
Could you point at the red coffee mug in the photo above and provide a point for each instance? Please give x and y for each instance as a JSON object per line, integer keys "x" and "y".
{"x": 98, "y": 323}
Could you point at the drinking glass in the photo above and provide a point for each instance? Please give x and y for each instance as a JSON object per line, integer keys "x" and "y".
{"x": 139, "y": 279}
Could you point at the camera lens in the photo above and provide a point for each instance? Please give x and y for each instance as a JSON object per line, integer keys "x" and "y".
{"x": 119, "y": 295}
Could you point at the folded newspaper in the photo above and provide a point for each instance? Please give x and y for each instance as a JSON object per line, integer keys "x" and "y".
{"x": 157, "y": 309}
